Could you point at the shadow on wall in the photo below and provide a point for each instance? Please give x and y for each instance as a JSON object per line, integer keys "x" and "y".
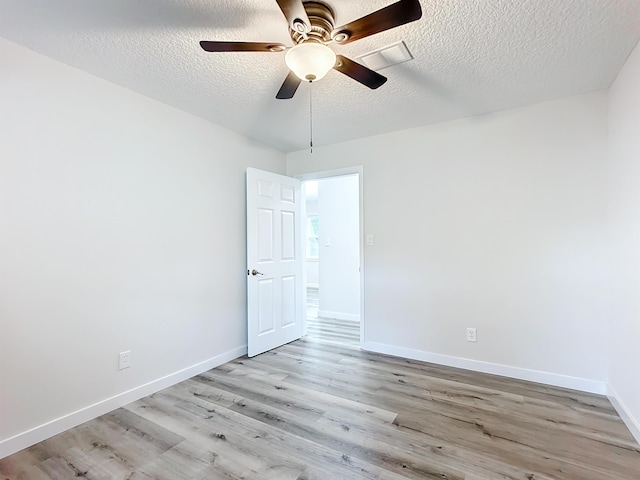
{"x": 150, "y": 14}
{"x": 466, "y": 106}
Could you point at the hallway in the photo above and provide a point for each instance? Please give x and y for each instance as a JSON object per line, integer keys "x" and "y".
{"x": 329, "y": 330}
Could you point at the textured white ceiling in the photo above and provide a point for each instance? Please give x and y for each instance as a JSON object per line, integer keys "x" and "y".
{"x": 471, "y": 57}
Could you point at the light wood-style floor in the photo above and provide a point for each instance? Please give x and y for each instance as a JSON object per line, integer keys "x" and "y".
{"x": 329, "y": 330}
{"x": 321, "y": 409}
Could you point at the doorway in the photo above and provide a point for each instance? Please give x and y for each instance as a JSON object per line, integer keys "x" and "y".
{"x": 333, "y": 257}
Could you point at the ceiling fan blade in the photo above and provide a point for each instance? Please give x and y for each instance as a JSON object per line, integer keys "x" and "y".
{"x": 242, "y": 46}
{"x": 289, "y": 87}
{"x": 296, "y": 15}
{"x": 359, "y": 73}
{"x": 394, "y": 15}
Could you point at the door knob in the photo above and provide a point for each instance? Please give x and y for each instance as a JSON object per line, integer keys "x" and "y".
{"x": 255, "y": 272}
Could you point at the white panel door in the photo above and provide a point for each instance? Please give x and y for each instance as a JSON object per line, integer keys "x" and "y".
{"x": 274, "y": 261}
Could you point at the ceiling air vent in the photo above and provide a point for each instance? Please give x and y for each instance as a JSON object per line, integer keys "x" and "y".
{"x": 386, "y": 57}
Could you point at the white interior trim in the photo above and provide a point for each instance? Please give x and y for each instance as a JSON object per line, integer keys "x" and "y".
{"x": 337, "y": 172}
{"x": 54, "y": 427}
{"x": 547, "y": 378}
{"x": 632, "y": 423}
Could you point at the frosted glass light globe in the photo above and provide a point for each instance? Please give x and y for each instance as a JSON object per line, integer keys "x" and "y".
{"x": 310, "y": 61}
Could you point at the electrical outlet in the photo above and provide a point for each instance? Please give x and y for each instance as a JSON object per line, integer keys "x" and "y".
{"x": 471, "y": 335}
{"x": 124, "y": 360}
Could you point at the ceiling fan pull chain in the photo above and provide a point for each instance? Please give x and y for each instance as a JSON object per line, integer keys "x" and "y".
{"x": 310, "y": 116}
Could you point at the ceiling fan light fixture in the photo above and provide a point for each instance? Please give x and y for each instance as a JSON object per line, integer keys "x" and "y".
{"x": 310, "y": 61}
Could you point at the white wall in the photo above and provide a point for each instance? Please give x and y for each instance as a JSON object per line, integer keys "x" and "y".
{"x": 122, "y": 227}
{"x": 311, "y": 204}
{"x": 339, "y": 213}
{"x": 495, "y": 222}
{"x": 624, "y": 215}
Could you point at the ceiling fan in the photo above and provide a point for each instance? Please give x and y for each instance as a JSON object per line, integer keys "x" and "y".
{"x": 311, "y": 27}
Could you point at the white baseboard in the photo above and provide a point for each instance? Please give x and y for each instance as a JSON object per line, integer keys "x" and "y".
{"x": 23, "y": 440}
{"x": 575, "y": 383}
{"x": 339, "y": 315}
{"x": 632, "y": 423}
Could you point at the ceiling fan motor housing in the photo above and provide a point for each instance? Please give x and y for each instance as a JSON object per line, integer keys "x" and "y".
{"x": 322, "y": 21}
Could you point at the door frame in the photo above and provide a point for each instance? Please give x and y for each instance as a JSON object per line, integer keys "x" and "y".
{"x": 340, "y": 172}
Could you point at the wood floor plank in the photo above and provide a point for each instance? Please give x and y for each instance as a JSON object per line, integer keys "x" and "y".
{"x": 320, "y": 408}
{"x": 287, "y": 395}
